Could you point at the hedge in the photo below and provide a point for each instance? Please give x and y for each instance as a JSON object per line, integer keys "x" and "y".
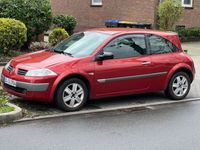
{"x": 189, "y": 34}
{"x": 35, "y": 14}
{"x": 66, "y": 22}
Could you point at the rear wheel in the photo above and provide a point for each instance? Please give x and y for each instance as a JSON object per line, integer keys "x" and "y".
{"x": 179, "y": 86}
{"x": 71, "y": 95}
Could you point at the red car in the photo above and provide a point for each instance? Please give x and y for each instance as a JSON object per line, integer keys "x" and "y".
{"x": 102, "y": 63}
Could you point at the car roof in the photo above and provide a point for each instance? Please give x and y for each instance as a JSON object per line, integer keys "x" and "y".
{"x": 114, "y": 31}
{"x": 171, "y": 36}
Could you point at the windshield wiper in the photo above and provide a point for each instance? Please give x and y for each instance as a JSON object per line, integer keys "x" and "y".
{"x": 55, "y": 50}
{"x": 69, "y": 54}
{"x": 61, "y": 52}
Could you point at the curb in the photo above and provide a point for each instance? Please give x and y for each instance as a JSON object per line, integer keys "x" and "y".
{"x": 122, "y": 108}
{"x": 11, "y": 116}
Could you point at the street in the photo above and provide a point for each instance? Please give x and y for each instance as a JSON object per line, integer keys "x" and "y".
{"x": 173, "y": 127}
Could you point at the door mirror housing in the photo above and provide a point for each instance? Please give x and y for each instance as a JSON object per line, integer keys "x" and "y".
{"x": 104, "y": 56}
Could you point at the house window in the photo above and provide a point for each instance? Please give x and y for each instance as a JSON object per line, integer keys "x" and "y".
{"x": 97, "y": 2}
{"x": 187, "y": 3}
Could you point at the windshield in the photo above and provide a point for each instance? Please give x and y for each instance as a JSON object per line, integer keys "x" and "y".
{"x": 81, "y": 44}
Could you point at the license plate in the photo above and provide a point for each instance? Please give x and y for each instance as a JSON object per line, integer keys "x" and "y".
{"x": 10, "y": 82}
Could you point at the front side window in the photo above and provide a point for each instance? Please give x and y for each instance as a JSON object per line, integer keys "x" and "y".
{"x": 127, "y": 46}
{"x": 187, "y": 3}
{"x": 81, "y": 44}
{"x": 159, "y": 45}
{"x": 97, "y": 2}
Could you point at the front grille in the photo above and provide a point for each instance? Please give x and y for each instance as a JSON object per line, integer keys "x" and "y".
{"x": 21, "y": 72}
{"x": 16, "y": 89}
{"x": 10, "y": 68}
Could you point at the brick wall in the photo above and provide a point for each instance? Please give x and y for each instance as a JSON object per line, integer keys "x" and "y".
{"x": 131, "y": 10}
{"x": 191, "y": 16}
{"x": 87, "y": 16}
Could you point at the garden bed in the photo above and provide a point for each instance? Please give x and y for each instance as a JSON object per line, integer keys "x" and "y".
{"x": 8, "y": 112}
{"x": 29, "y": 109}
{"x": 4, "y": 108}
{"x": 10, "y": 55}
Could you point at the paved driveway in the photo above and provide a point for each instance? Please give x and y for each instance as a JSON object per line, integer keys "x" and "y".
{"x": 192, "y": 47}
{"x": 194, "y": 51}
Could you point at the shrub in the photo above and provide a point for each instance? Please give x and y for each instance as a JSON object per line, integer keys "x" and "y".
{"x": 13, "y": 34}
{"x": 34, "y": 46}
{"x": 189, "y": 34}
{"x": 36, "y": 15}
{"x": 169, "y": 13}
{"x": 66, "y": 22}
{"x": 57, "y": 35}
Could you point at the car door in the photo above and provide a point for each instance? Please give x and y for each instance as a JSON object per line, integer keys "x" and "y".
{"x": 162, "y": 59}
{"x": 128, "y": 71}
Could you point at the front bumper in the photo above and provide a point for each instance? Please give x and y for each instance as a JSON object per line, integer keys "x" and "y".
{"x": 28, "y": 87}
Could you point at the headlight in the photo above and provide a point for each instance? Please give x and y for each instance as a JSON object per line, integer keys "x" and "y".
{"x": 7, "y": 65}
{"x": 40, "y": 73}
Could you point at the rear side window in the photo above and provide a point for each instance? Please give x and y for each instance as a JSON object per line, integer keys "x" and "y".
{"x": 127, "y": 46}
{"x": 160, "y": 45}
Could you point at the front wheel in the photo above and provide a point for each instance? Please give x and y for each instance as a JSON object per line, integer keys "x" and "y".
{"x": 179, "y": 86}
{"x": 71, "y": 95}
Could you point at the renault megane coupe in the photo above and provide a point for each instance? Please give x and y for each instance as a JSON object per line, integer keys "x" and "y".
{"x": 101, "y": 63}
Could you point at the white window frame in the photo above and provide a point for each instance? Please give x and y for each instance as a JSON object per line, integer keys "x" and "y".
{"x": 187, "y": 5}
{"x": 96, "y": 3}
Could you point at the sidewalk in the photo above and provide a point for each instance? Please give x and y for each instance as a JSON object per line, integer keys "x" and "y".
{"x": 192, "y": 47}
{"x": 194, "y": 51}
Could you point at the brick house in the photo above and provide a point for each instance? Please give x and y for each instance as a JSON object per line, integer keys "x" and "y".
{"x": 93, "y": 13}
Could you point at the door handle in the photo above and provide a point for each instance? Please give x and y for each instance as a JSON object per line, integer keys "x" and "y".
{"x": 146, "y": 63}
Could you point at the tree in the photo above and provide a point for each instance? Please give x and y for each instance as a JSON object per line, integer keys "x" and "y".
{"x": 35, "y": 14}
{"x": 169, "y": 13}
{"x": 66, "y": 22}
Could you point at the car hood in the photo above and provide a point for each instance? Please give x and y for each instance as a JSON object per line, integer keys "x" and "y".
{"x": 41, "y": 59}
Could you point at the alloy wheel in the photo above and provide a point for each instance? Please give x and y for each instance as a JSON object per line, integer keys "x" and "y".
{"x": 73, "y": 95}
{"x": 180, "y": 86}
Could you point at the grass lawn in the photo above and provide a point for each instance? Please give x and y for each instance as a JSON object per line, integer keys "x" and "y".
{"x": 6, "y": 109}
{"x": 3, "y": 103}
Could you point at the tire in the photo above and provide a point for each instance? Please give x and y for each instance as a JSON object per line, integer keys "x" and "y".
{"x": 178, "y": 86}
{"x": 71, "y": 95}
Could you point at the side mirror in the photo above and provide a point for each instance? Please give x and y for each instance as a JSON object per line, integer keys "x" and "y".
{"x": 104, "y": 56}
{"x": 185, "y": 50}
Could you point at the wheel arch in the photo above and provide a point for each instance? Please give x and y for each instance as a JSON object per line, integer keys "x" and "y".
{"x": 78, "y": 76}
{"x": 185, "y": 69}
